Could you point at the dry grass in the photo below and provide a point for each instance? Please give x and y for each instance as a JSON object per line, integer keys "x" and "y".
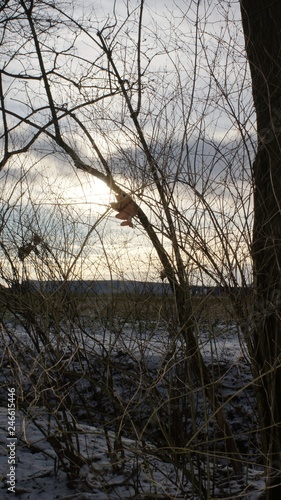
{"x": 144, "y": 307}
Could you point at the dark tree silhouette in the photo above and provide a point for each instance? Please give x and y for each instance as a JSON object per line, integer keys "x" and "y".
{"x": 261, "y": 24}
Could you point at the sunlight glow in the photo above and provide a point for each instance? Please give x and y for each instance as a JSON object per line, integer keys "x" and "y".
{"x": 100, "y": 192}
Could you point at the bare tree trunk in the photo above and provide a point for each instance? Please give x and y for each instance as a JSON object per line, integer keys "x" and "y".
{"x": 261, "y": 24}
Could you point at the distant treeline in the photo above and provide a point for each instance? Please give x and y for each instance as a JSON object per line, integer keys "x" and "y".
{"x": 121, "y": 286}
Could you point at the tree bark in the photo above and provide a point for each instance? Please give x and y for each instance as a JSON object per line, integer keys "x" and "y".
{"x": 262, "y": 29}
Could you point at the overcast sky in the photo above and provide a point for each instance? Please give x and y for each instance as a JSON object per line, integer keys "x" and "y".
{"x": 195, "y": 91}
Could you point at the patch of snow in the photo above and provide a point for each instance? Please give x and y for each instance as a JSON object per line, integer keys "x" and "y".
{"x": 142, "y": 471}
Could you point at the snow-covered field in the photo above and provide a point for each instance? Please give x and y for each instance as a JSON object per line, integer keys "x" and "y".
{"x": 126, "y": 459}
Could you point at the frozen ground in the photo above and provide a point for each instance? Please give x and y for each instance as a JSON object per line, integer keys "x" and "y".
{"x": 38, "y": 474}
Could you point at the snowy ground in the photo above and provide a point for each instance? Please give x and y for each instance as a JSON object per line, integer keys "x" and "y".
{"x": 38, "y": 474}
